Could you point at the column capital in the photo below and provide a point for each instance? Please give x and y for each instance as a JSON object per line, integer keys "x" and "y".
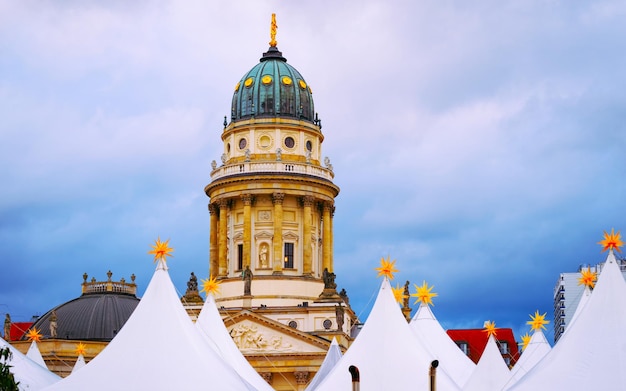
{"x": 277, "y": 198}
{"x": 212, "y": 208}
{"x": 307, "y": 200}
{"x": 247, "y": 199}
{"x": 223, "y": 203}
{"x": 327, "y": 206}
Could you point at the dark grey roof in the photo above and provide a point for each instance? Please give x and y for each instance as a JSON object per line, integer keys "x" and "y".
{"x": 91, "y": 316}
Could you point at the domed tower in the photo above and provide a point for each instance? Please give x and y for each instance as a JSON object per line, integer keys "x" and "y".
{"x": 272, "y": 198}
{"x": 271, "y": 232}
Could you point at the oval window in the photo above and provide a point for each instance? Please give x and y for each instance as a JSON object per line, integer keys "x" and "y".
{"x": 242, "y": 143}
{"x": 290, "y": 142}
{"x": 309, "y": 146}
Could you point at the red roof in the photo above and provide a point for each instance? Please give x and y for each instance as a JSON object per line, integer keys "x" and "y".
{"x": 18, "y": 329}
{"x": 476, "y": 340}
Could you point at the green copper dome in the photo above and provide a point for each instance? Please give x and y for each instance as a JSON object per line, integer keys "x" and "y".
{"x": 273, "y": 88}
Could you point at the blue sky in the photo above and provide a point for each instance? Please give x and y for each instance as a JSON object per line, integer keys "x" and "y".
{"x": 479, "y": 144}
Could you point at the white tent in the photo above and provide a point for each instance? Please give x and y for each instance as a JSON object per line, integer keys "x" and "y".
{"x": 35, "y": 355}
{"x": 536, "y": 349}
{"x": 332, "y": 357}
{"x": 387, "y": 354}
{"x": 451, "y": 359}
{"x": 591, "y": 354}
{"x": 31, "y": 375}
{"x": 491, "y": 372}
{"x": 157, "y": 349}
{"x": 211, "y": 326}
{"x": 80, "y": 362}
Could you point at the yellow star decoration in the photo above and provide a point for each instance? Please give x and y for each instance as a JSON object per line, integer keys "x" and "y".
{"x": 490, "y": 328}
{"x": 588, "y": 278}
{"x": 80, "y": 349}
{"x": 612, "y": 241}
{"x": 210, "y": 285}
{"x": 398, "y": 293}
{"x": 423, "y": 293}
{"x": 161, "y": 250}
{"x": 34, "y": 335}
{"x": 525, "y": 341}
{"x": 537, "y": 321}
{"x": 387, "y": 268}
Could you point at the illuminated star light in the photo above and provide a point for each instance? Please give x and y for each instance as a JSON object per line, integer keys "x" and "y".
{"x": 161, "y": 250}
{"x": 537, "y": 321}
{"x": 588, "y": 278}
{"x": 424, "y": 294}
{"x": 210, "y": 286}
{"x": 80, "y": 349}
{"x": 387, "y": 268}
{"x": 398, "y": 293}
{"x": 612, "y": 241}
{"x": 34, "y": 335}
{"x": 525, "y": 341}
{"x": 490, "y": 328}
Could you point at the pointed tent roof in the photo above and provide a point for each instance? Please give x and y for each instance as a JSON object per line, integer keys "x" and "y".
{"x": 332, "y": 357}
{"x": 590, "y": 354}
{"x": 158, "y": 348}
{"x": 35, "y": 355}
{"x": 536, "y": 349}
{"x": 584, "y": 298}
{"x": 387, "y": 354}
{"x": 452, "y": 359}
{"x": 211, "y": 326}
{"x": 80, "y": 362}
{"x": 31, "y": 375}
{"x": 491, "y": 372}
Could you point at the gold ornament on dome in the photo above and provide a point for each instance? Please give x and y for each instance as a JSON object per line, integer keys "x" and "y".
{"x": 237, "y": 86}
{"x": 302, "y": 84}
{"x": 273, "y": 28}
{"x": 287, "y": 80}
{"x": 310, "y": 90}
{"x": 248, "y": 82}
{"x": 267, "y": 79}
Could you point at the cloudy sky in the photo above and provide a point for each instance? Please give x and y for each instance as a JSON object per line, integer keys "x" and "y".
{"x": 480, "y": 144}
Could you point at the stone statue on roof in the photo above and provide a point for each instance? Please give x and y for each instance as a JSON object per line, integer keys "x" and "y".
{"x": 53, "y": 324}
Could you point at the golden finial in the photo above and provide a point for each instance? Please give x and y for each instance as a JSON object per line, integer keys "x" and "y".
{"x": 273, "y": 28}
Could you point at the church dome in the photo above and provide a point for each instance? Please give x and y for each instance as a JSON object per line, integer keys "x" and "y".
{"x": 97, "y": 315}
{"x": 273, "y": 88}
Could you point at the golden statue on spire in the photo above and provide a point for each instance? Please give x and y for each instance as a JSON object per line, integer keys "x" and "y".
{"x": 273, "y": 28}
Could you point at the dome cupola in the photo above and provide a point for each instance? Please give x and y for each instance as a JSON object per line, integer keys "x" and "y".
{"x": 273, "y": 88}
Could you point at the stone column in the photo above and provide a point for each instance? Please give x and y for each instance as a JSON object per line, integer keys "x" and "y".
{"x": 326, "y": 240}
{"x": 332, "y": 239}
{"x": 247, "y": 228}
{"x": 222, "y": 240}
{"x": 213, "y": 244}
{"x": 277, "y": 199}
{"x": 307, "y": 268}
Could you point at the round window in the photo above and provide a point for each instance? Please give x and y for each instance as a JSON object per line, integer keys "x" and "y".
{"x": 242, "y": 143}
{"x": 293, "y": 324}
{"x": 290, "y": 142}
{"x": 309, "y": 146}
{"x": 327, "y": 324}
